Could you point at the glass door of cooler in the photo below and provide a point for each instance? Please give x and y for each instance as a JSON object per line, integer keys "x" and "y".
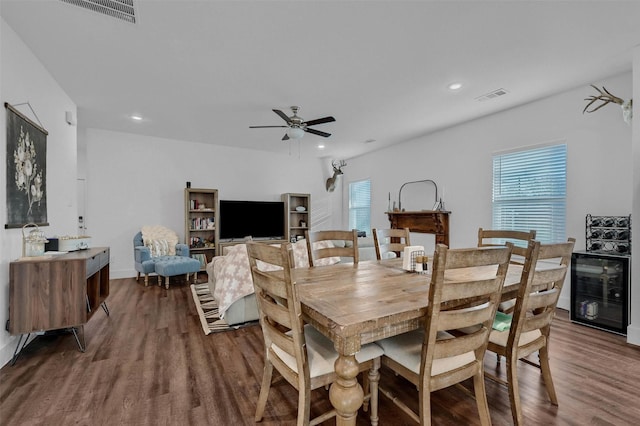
{"x": 600, "y": 290}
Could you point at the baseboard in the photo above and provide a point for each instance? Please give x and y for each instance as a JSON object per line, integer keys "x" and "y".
{"x": 633, "y": 335}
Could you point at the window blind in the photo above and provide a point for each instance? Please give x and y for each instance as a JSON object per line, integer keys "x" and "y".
{"x": 529, "y": 191}
{"x": 360, "y": 205}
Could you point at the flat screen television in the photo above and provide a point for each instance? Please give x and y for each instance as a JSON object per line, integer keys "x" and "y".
{"x": 258, "y": 219}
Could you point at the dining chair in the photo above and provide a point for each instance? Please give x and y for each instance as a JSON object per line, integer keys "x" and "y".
{"x": 542, "y": 279}
{"x": 431, "y": 358}
{"x": 390, "y": 240}
{"x": 520, "y": 240}
{"x": 331, "y": 244}
{"x": 301, "y": 354}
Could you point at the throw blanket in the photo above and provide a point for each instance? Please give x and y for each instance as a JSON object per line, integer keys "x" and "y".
{"x": 233, "y": 277}
{"x": 502, "y": 321}
{"x": 160, "y": 234}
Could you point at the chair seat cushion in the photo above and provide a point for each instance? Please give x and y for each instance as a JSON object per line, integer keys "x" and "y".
{"x": 500, "y": 337}
{"x": 169, "y": 266}
{"x": 406, "y": 350}
{"x": 322, "y": 355}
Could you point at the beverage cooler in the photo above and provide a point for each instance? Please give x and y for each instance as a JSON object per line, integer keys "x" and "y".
{"x": 601, "y": 275}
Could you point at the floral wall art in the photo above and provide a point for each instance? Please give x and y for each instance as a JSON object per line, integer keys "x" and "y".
{"x": 26, "y": 171}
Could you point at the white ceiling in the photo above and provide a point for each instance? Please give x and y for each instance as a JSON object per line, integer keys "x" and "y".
{"x": 205, "y": 71}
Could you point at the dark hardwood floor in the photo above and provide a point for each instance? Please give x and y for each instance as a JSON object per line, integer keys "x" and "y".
{"x": 149, "y": 363}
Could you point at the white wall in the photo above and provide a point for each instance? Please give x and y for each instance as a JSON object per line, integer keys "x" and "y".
{"x": 137, "y": 180}
{"x": 24, "y": 79}
{"x": 633, "y": 331}
{"x": 599, "y": 164}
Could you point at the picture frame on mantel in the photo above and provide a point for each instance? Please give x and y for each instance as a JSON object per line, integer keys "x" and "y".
{"x": 26, "y": 170}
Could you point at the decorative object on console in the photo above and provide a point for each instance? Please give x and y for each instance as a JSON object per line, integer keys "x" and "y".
{"x": 33, "y": 244}
{"x": 337, "y": 171}
{"x": 296, "y": 126}
{"x": 606, "y": 98}
{"x": 26, "y": 169}
{"x": 68, "y": 243}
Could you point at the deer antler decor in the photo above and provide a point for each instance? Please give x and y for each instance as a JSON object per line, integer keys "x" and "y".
{"x": 606, "y": 98}
{"x": 337, "y": 171}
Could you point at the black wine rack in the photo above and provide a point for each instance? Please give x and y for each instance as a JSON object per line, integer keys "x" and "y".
{"x": 609, "y": 234}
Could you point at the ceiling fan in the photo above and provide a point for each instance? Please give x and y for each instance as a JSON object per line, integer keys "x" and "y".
{"x": 296, "y": 126}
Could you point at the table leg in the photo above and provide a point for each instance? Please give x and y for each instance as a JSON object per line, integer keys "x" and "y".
{"x": 346, "y": 394}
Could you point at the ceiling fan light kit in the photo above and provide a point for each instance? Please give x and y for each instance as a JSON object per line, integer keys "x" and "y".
{"x": 295, "y": 132}
{"x": 296, "y": 126}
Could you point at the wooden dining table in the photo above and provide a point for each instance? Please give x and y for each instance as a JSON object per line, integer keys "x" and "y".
{"x": 356, "y": 304}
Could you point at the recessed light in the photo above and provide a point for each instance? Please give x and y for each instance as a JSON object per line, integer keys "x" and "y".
{"x": 455, "y": 86}
{"x": 320, "y": 146}
{"x": 136, "y": 118}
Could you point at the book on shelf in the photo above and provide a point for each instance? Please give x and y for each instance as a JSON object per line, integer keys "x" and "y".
{"x": 202, "y": 223}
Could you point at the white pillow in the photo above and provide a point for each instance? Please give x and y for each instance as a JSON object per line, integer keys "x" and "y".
{"x": 158, "y": 247}
{"x": 300, "y": 254}
{"x": 159, "y": 232}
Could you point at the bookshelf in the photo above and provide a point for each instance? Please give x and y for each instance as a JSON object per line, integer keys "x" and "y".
{"x": 201, "y": 223}
{"x": 297, "y": 220}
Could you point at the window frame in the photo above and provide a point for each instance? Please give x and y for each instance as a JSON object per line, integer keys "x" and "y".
{"x": 529, "y": 190}
{"x": 354, "y": 210}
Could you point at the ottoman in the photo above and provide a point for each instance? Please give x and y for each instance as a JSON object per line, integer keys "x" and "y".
{"x": 176, "y": 265}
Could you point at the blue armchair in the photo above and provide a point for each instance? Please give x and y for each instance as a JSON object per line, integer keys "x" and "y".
{"x": 145, "y": 263}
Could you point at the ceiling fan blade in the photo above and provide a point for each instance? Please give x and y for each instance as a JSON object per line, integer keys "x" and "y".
{"x": 282, "y": 115}
{"x": 263, "y": 127}
{"x": 317, "y": 132}
{"x": 285, "y": 137}
{"x": 320, "y": 121}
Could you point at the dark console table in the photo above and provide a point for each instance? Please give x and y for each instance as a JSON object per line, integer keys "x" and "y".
{"x": 424, "y": 221}
{"x": 53, "y": 292}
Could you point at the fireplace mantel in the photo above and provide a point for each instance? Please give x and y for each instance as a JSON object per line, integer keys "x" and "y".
{"x": 424, "y": 221}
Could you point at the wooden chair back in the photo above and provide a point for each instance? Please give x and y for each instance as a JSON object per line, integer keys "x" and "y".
{"x": 286, "y": 341}
{"x": 349, "y": 250}
{"x": 390, "y": 240}
{"x": 279, "y": 309}
{"x": 520, "y": 240}
{"x": 543, "y": 276}
{"x": 450, "y": 286}
{"x": 540, "y": 287}
{"x": 464, "y": 292}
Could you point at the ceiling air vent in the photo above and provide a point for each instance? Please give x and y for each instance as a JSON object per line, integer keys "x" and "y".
{"x": 492, "y": 95}
{"x": 119, "y": 9}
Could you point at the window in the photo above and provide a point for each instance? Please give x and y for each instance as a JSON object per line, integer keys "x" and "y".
{"x": 529, "y": 191}
{"x": 360, "y": 205}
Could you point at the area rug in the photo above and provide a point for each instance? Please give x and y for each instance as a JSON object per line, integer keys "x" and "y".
{"x": 208, "y": 311}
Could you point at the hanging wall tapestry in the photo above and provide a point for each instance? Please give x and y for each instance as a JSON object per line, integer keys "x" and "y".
{"x": 26, "y": 170}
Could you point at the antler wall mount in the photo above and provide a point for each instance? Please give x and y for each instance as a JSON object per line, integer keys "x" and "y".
{"x": 337, "y": 171}
{"x": 606, "y": 98}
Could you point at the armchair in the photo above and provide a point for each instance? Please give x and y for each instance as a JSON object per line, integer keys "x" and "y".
{"x": 157, "y": 245}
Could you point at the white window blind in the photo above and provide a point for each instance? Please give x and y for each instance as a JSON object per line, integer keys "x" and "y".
{"x": 529, "y": 191}
{"x": 360, "y": 205}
